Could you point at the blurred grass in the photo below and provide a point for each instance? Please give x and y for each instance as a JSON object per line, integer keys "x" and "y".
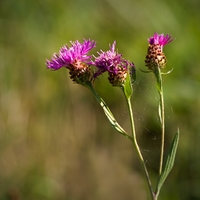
{"x": 52, "y": 141}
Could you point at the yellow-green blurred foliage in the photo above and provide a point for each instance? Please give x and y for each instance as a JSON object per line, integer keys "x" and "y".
{"x": 55, "y": 141}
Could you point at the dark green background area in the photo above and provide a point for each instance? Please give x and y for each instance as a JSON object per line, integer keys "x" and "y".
{"x": 55, "y": 141}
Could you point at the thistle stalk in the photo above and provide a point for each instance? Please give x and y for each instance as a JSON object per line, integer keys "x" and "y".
{"x": 162, "y": 116}
{"x": 135, "y": 143}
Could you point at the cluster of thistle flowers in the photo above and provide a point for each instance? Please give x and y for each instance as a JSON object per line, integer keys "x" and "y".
{"x": 84, "y": 69}
{"x": 76, "y": 58}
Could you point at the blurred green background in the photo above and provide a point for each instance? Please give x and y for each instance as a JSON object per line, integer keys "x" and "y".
{"x": 55, "y": 141}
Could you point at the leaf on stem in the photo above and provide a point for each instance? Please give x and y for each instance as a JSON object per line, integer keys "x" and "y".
{"x": 127, "y": 87}
{"x": 108, "y": 113}
{"x": 112, "y": 120}
{"x": 160, "y": 112}
{"x": 169, "y": 161}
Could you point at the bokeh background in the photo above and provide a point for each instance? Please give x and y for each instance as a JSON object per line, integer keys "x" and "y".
{"x": 55, "y": 141}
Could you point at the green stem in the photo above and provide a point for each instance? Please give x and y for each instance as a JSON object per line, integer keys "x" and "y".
{"x": 134, "y": 140}
{"x": 162, "y": 115}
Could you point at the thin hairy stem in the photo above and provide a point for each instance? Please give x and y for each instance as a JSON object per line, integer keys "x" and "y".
{"x": 162, "y": 116}
{"x": 134, "y": 140}
{"x": 163, "y": 129}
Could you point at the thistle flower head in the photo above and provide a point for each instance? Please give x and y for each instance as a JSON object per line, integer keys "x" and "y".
{"x": 112, "y": 62}
{"x": 75, "y": 58}
{"x": 155, "y": 57}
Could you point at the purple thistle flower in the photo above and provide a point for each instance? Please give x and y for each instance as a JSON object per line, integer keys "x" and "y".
{"x": 155, "y": 57}
{"x": 67, "y": 56}
{"x": 76, "y": 59}
{"x": 160, "y": 39}
{"x": 112, "y": 62}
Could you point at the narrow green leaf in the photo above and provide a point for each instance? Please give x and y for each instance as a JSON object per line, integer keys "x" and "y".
{"x": 127, "y": 87}
{"x": 169, "y": 161}
{"x": 132, "y": 75}
{"x": 108, "y": 113}
{"x": 112, "y": 120}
